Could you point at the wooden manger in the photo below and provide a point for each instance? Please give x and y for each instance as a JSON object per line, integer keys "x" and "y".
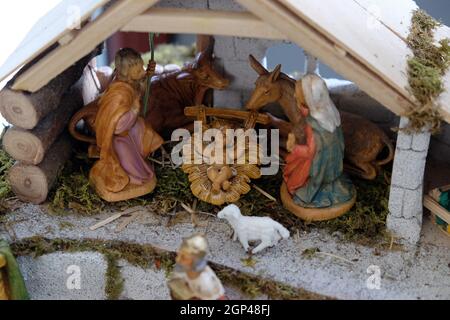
{"x": 223, "y": 182}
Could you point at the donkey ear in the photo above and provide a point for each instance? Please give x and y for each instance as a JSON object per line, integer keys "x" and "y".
{"x": 258, "y": 67}
{"x": 201, "y": 59}
{"x": 275, "y": 75}
{"x": 185, "y": 76}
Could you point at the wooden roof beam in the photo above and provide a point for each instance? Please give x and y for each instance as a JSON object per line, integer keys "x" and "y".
{"x": 53, "y": 27}
{"x": 84, "y": 42}
{"x": 201, "y": 21}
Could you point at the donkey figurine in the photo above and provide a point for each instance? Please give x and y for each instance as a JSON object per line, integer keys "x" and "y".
{"x": 364, "y": 141}
{"x": 171, "y": 92}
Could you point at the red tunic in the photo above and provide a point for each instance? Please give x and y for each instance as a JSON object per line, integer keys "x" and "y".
{"x": 299, "y": 161}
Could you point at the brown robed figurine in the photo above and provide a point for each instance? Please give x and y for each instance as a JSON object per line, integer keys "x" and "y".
{"x": 124, "y": 139}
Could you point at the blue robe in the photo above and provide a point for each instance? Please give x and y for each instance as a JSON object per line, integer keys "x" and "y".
{"x": 327, "y": 186}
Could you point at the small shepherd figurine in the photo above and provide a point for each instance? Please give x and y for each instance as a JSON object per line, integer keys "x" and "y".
{"x": 193, "y": 279}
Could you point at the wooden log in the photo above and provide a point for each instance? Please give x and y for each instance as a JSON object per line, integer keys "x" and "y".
{"x": 30, "y": 146}
{"x": 25, "y": 110}
{"x": 33, "y": 183}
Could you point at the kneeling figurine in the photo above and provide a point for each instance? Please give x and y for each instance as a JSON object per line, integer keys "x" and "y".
{"x": 124, "y": 139}
{"x": 315, "y": 187}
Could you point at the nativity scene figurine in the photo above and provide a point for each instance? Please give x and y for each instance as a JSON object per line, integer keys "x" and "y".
{"x": 192, "y": 278}
{"x": 123, "y": 138}
{"x": 315, "y": 187}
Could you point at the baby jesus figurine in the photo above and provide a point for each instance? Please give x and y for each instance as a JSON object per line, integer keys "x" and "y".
{"x": 125, "y": 140}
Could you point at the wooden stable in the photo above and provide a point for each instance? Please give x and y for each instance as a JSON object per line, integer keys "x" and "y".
{"x": 369, "y": 50}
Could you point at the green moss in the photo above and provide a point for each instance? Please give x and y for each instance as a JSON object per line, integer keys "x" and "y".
{"x": 6, "y": 162}
{"x": 310, "y": 252}
{"x": 73, "y": 191}
{"x": 114, "y": 279}
{"x": 425, "y": 71}
{"x": 66, "y": 225}
{"x": 255, "y": 287}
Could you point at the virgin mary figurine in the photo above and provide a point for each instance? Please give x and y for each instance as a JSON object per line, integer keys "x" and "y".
{"x": 315, "y": 187}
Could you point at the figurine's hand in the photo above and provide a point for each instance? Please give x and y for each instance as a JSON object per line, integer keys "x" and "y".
{"x": 291, "y": 142}
{"x": 151, "y": 68}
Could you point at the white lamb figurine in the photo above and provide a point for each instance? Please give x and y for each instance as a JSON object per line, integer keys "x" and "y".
{"x": 247, "y": 229}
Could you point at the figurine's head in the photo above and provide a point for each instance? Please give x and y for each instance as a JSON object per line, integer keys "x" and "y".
{"x": 231, "y": 211}
{"x": 129, "y": 65}
{"x": 268, "y": 88}
{"x": 316, "y": 97}
{"x": 192, "y": 252}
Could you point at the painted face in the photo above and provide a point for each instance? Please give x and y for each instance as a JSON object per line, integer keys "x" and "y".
{"x": 137, "y": 72}
{"x": 185, "y": 260}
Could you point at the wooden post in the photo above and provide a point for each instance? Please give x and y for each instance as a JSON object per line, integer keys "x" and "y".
{"x": 33, "y": 183}
{"x": 30, "y": 146}
{"x": 25, "y": 110}
{"x": 203, "y": 42}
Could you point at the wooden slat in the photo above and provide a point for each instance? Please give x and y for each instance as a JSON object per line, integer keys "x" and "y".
{"x": 396, "y": 15}
{"x": 47, "y": 31}
{"x": 198, "y": 21}
{"x": 88, "y": 38}
{"x": 433, "y": 206}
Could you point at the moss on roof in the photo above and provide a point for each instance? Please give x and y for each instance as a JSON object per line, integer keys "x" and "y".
{"x": 426, "y": 68}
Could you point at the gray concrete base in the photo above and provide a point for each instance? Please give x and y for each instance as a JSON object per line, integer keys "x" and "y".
{"x": 63, "y": 276}
{"x": 342, "y": 269}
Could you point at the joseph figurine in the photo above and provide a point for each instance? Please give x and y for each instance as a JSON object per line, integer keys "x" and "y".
{"x": 125, "y": 140}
